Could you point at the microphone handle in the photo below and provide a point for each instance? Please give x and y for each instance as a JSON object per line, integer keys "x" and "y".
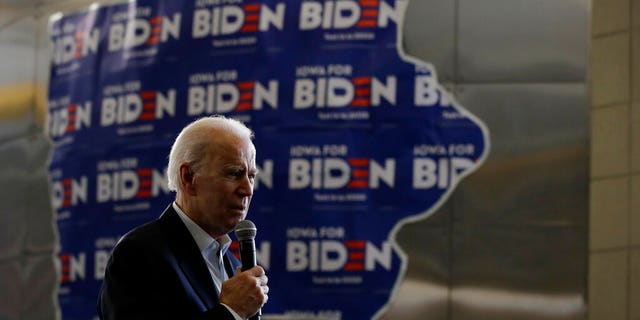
{"x": 248, "y": 259}
{"x": 247, "y": 254}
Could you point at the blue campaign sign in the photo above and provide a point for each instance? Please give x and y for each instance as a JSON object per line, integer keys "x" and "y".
{"x": 75, "y": 41}
{"x": 98, "y": 195}
{"x": 353, "y": 138}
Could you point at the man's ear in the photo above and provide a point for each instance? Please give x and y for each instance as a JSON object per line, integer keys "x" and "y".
{"x": 187, "y": 179}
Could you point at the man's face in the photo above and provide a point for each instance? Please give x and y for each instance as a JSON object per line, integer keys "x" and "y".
{"x": 224, "y": 187}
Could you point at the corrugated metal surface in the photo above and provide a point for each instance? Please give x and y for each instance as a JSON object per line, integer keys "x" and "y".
{"x": 28, "y": 276}
{"x": 522, "y": 40}
{"x": 511, "y": 242}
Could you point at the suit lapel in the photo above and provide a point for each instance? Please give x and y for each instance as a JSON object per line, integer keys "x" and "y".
{"x": 189, "y": 258}
{"x": 231, "y": 263}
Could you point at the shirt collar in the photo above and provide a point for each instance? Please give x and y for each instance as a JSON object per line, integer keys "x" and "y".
{"x": 202, "y": 238}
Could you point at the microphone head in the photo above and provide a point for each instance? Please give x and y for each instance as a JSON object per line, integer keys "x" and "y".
{"x": 245, "y": 230}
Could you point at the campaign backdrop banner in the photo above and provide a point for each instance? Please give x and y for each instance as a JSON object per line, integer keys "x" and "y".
{"x": 353, "y": 137}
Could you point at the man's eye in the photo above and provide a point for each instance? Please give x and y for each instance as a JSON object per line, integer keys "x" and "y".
{"x": 235, "y": 173}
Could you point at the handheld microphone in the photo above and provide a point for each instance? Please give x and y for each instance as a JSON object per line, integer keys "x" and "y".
{"x": 245, "y": 233}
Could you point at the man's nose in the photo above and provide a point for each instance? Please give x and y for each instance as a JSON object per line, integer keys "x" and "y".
{"x": 246, "y": 187}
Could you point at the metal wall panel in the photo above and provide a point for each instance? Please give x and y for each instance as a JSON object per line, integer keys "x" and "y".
{"x": 13, "y": 173}
{"x": 425, "y": 291}
{"x": 428, "y": 34}
{"x": 17, "y": 53}
{"x": 10, "y": 290}
{"x": 511, "y": 242}
{"x": 28, "y": 276}
{"x": 530, "y": 116}
{"x": 40, "y": 284}
{"x": 539, "y": 155}
{"x": 522, "y": 40}
{"x": 520, "y": 222}
{"x": 41, "y": 235}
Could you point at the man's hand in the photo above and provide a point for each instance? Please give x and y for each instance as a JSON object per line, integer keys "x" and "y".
{"x": 245, "y": 292}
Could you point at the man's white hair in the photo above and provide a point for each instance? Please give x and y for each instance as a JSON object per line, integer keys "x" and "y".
{"x": 194, "y": 141}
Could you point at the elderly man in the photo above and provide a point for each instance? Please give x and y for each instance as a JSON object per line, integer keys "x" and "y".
{"x": 178, "y": 266}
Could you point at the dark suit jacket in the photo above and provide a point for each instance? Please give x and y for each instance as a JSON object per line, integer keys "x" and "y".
{"x": 156, "y": 271}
